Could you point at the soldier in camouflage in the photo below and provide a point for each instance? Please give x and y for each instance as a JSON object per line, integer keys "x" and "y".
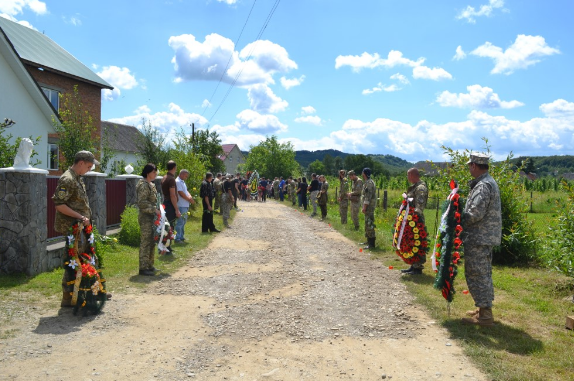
{"x": 217, "y": 187}
{"x": 227, "y": 199}
{"x": 71, "y": 202}
{"x": 419, "y": 192}
{"x": 147, "y": 201}
{"x": 482, "y": 230}
{"x": 292, "y": 187}
{"x": 343, "y": 197}
{"x": 355, "y": 197}
{"x": 369, "y": 196}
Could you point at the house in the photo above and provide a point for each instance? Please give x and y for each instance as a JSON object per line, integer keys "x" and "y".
{"x": 54, "y": 71}
{"x": 231, "y": 157}
{"x": 123, "y": 141}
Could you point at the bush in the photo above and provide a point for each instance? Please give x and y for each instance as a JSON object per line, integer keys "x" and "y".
{"x": 559, "y": 248}
{"x": 518, "y": 240}
{"x": 130, "y": 227}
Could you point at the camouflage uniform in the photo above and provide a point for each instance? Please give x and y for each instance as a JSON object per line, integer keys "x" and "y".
{"x": 147, "y": 203}
{"x": 217, "y": 186}
{"x": 291, "y": 189}
{"x": 276, "y": 189}
{"x": 324, "y": 189}
{"x": 344, "y": 202}
{"x": 70, "y": 191}
{"x": 370, "y": 200}
{"x": 356, "y": 189}
{"x": 420, "y": 194}
{"x": 226, "y": 204}
{"x": 482, "y": 224}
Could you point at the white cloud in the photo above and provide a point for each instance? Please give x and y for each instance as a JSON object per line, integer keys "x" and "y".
{"x": 74, "y": 20}
{"x": 119, "y": 78}
{"x": 306, "y": 110}
{"x": 434, "y": 74}
{"x": 477, "y": 97}
{"x": 380, "y": 87}
{"x": 289, "y": 83}
{"x": 401, "y": 78}
{"x": 228, "y": 2}
{"x": 205, "y": 104}
{"x": 256, "y": 63}
{"x": 470, "y": 13}
{"x": 16, "y": 7}
{"x": 460, "y": 54}
{"x": 167, "y": 122}
{"x": 310, "y": 119}
{"x": 558, "y": 109}
{"x": 256, "y": 122}
{"x": 524, "y": 52}
{"x": 263, "y": 100}
{"x": 371, "y": 61}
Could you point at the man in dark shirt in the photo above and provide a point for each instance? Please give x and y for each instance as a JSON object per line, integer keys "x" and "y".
{"x": 170, "y": 197}
{"x": 313, "y": 190}
{"x": 263, "y": 189}
{"x": 235, "y": 189}
{"x": 206, "y": 194}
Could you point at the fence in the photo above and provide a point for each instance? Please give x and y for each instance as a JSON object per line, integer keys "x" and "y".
{"x": 115, "y": 200}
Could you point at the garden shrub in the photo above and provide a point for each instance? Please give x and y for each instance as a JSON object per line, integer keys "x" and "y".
{"x": 130, "y": 227}
{"x": 559, "y": 248}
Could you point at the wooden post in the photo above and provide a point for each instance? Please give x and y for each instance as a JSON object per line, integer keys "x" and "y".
{"x": 385, "y": 200}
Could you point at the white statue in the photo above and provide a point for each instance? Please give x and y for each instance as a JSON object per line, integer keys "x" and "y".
{"x": 22, "y": 159}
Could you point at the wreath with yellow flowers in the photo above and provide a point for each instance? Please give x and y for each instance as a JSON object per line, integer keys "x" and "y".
{"x": 410, "y": 235}
{"x": 89, "y": 292}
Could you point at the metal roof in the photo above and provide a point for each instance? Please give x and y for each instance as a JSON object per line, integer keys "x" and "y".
{"x": 38, "y": 49}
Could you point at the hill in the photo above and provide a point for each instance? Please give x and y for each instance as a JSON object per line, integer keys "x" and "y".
{"x": 548, "y": 165}
{"x": 304, "y": 158}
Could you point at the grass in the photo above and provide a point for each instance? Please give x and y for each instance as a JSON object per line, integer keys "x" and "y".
{"x": 528, "y": 342}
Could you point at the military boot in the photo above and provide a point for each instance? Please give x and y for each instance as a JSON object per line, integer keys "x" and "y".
{"x": 407, "y": 270}
{"x": 484, "y": 318}
{"x": 473, "y": 312}
{"x": 370, "y": 244}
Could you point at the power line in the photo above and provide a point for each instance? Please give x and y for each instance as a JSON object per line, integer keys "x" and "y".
{"x": 230, "y": 57}
{"x": 269, "y": 16}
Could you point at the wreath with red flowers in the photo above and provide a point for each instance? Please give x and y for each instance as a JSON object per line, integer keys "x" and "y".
{"x": 89, "y": 284}
{"x": 448, "y": 246}
{"x": 410, "y": 237}
{"x": 163, "y": 232}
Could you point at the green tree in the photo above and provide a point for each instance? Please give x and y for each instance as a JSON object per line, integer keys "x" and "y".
{"x": 152, "y": 147}
{"x": 208, "y": 145}
{"x": 317, "y": 167}
{"x": 186, "y": 158}
{"x": 358, "y": 162}
{"x": 272, "y": 159}
{"x": 338, "y": 164}
{"x": 107, "y": 152}
{"x": 329, "y": 164}
{"x": 76, "y": 130}
{"x": 518, "y": 240}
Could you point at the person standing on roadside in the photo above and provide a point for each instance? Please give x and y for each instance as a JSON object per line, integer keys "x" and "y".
{"x": 313, "y": 192}
{"x": 183, "y": 202}
{"x": 217, "y": 187}
{"x": 72, "y": 205}
{"x": 482, "y": 230}
{"x": 369, "y": 203}
{"x": 235, "y": 189}
{"x": 147, "y": 201}
{"x": 227, "y": 200}
{"x": 206, "y": 194}
{"x": 302, "y": 192}
{"x": 323, "y": 198}
{"x": 170, "y": 197}
{"x": 355, "y": 197}
{"x": 343, "y": 197}
{"x": 419, "y": 193}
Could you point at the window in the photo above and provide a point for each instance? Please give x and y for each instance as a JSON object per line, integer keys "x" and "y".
{"x": 53, "y": 96}
{"x": 53, "y": 156}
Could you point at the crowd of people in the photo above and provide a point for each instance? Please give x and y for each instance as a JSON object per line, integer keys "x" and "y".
{"x": 482, "y": 223}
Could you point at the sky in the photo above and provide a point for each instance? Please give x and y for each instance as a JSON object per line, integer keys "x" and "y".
{"x": 397, "y": 77}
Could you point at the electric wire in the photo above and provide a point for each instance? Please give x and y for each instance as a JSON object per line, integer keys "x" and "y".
{"x": 254, "y": 45}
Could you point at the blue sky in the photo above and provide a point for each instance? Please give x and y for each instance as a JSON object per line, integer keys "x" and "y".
{"x": 376, "y": 76}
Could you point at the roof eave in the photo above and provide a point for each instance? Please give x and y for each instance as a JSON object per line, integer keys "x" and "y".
{"x": 62, "y": 73}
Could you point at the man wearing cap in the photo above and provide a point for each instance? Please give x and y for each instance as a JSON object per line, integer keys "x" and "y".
{"x": 482, "y": 230}
{"x": 369, "y": 203}
{"x": 343, "y": 197}
{"x": 355, "y": 197}
{"x": 71, "y": 201}
{"x": 419, "y": 194}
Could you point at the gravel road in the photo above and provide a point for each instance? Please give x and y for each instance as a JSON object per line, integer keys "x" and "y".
{"x": 279, "y": 296}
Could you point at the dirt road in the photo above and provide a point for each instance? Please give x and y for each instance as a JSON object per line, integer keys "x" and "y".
{"x": 279, "y": 296}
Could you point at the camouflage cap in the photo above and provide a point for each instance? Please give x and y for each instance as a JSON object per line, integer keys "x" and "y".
{"x": 351, "y": 172}
{"x": 342, "y": 171}
{"x": 86, "y": 156}
{"x": 478, "y": 158}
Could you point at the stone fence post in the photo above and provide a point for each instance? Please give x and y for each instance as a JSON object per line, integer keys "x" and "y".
{"x": 157, "y": 183}
{"x": 23, "y": 227}
{"x": 131, "y": 182}
{"x": 96, "y": 190}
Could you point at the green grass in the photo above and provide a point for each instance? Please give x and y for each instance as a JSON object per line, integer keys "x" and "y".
{"x": 528, "y": 342}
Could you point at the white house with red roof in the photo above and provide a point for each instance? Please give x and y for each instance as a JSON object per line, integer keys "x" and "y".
{"x": 231, "y": 157}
